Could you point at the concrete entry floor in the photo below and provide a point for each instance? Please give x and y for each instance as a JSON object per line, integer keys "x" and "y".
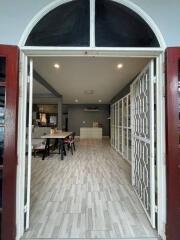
{"x": 85, "y": 196}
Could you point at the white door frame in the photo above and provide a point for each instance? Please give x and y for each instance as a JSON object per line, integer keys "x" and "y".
{"x": 29, "y": 160}
{"x": 157, "y": 53}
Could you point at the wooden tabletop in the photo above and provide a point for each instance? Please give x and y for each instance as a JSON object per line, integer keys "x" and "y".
{"x": 58, "y": 134}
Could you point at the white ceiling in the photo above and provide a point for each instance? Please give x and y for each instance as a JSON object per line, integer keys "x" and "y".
{"x": 78, "y": 74}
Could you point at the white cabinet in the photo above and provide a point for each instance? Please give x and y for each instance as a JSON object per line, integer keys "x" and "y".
{"x": 90, "y": 133}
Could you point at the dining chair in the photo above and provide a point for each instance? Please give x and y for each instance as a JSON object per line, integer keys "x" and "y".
{"x": 70, "y": 142}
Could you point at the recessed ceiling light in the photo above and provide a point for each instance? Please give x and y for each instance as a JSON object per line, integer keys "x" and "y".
{"x": 56, "y": 65}
{"x": 76, "y": 100}
{"x": 120, "y": 65}
{"x": 99, "y": 100}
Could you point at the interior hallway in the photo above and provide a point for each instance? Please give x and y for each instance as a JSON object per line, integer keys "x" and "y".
{"x": 87, "y": 195}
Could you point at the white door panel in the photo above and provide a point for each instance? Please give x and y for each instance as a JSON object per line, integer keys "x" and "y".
{"x": 29, "y": 141}
{"x": 142, "y": 125}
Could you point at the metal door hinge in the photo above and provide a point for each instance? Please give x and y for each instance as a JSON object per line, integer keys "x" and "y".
{"x": 25, "y": 208}
{"x": 164, "y": 156}
{"x": 20, "y": 91}
{"x": 164, "y": 67}
{"x": 28, "y": 79}
{"x": 164, "y": 92}
{"x": 165, "y": 229}
{"x": 155, "y": 79}
{"x": 20, "y": 67}
{"x": 156, "y": 208}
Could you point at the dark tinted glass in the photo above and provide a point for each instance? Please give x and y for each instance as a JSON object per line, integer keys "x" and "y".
{"x": 2, "y": 104}
{"x": 2, "y": 69}
{"x": 0, "y": 190}
{"x": 1, "y": 144}
{"x": 118, "y": 26}
{"x": 179, "y": 95}
{"x": 66, "y": 25}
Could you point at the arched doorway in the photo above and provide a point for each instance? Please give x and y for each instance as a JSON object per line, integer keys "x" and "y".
{"x": 93, "y": 28}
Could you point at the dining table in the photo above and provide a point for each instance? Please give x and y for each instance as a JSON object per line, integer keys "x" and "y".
{"x": 60, "y": 136}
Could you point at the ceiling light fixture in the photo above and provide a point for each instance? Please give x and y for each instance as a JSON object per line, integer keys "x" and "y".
{"x": 56, "y": 65}
{"x": 120, "y": 65}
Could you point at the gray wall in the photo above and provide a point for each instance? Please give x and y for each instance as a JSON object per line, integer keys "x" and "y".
{"x": 76, "y": 116}
{"x": 16, "y": 15}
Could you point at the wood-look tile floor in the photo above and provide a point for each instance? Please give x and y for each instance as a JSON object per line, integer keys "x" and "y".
{"x": 87, "y": 195}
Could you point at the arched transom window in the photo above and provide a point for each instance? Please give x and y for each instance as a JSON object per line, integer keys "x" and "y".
{"x": 84, "y": 23}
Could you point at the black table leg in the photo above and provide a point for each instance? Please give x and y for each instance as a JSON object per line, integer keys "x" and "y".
{"x": 62, "y": 148}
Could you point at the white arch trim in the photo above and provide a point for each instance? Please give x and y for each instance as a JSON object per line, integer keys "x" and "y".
{"x": 126, "y": 3}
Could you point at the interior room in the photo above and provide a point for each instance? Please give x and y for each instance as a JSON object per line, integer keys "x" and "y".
{"x": 81, "y": 185}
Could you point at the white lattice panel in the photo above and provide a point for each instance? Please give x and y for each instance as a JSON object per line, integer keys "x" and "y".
{"x": 142, "y": 123}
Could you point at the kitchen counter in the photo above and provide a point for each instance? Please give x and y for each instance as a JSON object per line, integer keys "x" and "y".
{"x": 90, "y": 133}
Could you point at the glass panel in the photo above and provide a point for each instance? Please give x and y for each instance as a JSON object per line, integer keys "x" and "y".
{"x": 125, "y": 142}
{"x": 0, "y": 224}
{"x": 120, "y": 113}
{"x": 120, "y": 139}
{"x": 118, "y": 26}
{"x": 66, "y": 25}
{"x": 129, "y": 111}
{"x": 2, "y": 104}
{"x": 1, "y": 189}
{"x": 129, "y": 145}
{"x": 113, "y": 136}
{"x": 2, "y": 69}
{"x": 116, "y": 109}
{"x": 125, "y": 112}
{"x": 1, "y": 144}
{"x": 179, "y": 97}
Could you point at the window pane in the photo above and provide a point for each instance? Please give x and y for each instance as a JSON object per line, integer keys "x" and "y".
{"x": 179, "y": 97}
{"x": 1, "y": 191}
{"x": 119, "y": 26}
{"x": 2, "y": 104}
{"x": 129, "y": 111}
{"x": 129, "y": 145}
{"x": 1, "y": 144}
{"x": 66, "y": 25}
{"x": 2, "y": 69}
{"x": 125, "y": 112}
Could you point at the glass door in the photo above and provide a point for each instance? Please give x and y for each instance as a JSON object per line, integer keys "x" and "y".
{"x": 8, "y": 140}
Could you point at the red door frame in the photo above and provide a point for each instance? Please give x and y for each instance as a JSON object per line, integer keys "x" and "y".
{"x": 10, "y": 153}
{"x": 8, "y": 214}
{"x": 172, "y": 144}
